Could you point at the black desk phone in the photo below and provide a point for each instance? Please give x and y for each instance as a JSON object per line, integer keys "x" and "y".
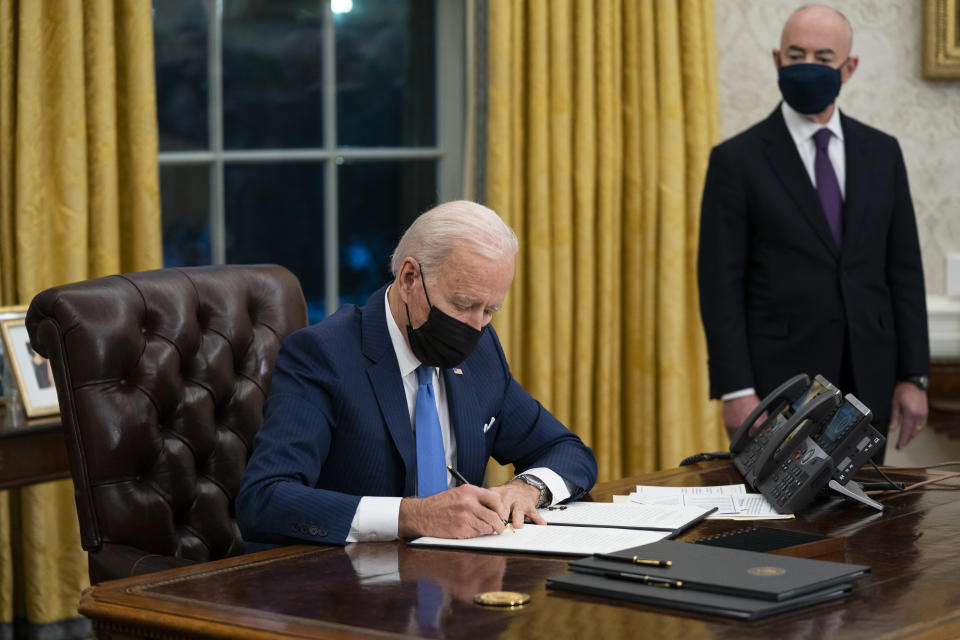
{"x": 812, "y": 436}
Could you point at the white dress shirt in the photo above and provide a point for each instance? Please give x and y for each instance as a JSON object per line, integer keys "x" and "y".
{"x": 802, "y": 130}
{"x": 377, "y": 517}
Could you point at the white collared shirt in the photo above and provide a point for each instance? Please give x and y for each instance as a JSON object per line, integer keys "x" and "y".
{"x": 802, "y": 130}
{"x": 377, "y": 517}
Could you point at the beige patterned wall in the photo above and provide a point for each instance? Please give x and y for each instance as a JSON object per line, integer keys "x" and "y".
{"x": 887, "y": 92}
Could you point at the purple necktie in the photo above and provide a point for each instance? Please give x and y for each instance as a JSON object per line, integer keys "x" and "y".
{"x": 827, "y": 186}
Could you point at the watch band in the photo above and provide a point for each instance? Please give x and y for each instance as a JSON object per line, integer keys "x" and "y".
{"x": 546, "y": 497}
{"x": 922, "y": 382}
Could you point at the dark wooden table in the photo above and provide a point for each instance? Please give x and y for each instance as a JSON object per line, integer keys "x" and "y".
{"x": 309, "y": 592}
{"x": 33, "y": 451}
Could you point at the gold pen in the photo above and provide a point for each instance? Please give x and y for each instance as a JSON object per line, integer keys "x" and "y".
{"x": 633, "y": 560}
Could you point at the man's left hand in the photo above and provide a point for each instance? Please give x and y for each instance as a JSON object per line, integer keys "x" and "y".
{"x": 909, "y": 412}
{"x": 520, "y": 499}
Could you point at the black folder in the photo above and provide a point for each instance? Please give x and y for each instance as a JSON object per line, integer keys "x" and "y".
{"x": 732, "y": 572}
{"x": 691, "y": 599}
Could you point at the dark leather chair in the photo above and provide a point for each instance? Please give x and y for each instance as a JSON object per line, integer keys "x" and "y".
{"x": 161, "y": 378}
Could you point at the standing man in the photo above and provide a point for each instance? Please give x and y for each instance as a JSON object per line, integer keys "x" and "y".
{"x": 809, "y": 258}
{"x": 369, "y": 407}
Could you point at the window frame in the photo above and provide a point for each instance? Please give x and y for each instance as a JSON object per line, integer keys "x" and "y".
{"x": 449, "y": 34}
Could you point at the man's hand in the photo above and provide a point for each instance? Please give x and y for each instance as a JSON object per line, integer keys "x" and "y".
{"x": 463, "y": 512}
{"x": 908, "y": 412}
{"x": 736, "y": 410}
{"x": 520, "y": 499}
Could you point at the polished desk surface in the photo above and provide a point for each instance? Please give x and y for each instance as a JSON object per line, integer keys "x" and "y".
{"x": 31, "y": 451}
{"x": 307, "y": 591}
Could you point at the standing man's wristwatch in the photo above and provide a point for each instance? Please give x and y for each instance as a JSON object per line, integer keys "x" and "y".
{"x": 922, "y": 382}
{"x": 545, "y": 496}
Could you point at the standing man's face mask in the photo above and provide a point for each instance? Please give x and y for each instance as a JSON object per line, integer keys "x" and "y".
{"x": 442, "y": 341}
{"x": 809, "y": 88}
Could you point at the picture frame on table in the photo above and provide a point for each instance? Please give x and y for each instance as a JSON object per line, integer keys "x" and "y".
{"x": 31, "y": 372}
{"x": 8, "y": 313}
{"x": 941, "y": 39}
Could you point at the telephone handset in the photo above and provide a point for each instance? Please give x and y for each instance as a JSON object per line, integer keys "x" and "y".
{"x": 782, "y": 405}
{"x": 808, "y": 419}
{"x": 776, "y": 402}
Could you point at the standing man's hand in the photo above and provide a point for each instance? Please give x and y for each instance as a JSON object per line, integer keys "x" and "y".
{"x": 467, "y": 511}
{"x": 908, "y": 412}
{"x": 736, "y": 410}
{"x": 520, "y": 499}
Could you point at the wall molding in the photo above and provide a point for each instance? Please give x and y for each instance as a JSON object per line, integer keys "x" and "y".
{"x": 944, "y": 321}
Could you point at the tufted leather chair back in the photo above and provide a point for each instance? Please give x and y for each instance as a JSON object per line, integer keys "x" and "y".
{"x": 161, "y": 378}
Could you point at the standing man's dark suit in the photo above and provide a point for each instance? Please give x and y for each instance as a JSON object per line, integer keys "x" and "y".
{"x": 777, "y": 295}
{"x": 809, "y": 259}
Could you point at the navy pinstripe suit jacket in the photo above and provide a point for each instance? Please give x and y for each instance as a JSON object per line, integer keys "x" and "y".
{"x": 336, "y": 427}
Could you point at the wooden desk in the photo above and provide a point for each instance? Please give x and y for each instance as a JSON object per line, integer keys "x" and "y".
{"x": 31, "y": 452}
{"x": 310, "y": 592}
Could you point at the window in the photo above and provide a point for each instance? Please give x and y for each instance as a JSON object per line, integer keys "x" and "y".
{"x": 308, "y": 133}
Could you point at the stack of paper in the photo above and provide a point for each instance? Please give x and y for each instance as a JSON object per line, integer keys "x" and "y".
{"x": 732, "y": 502}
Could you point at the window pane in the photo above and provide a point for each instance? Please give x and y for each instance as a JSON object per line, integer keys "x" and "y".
{"x": 372, "y": 220}
{"x": 185, "y": 204}
{"x": 271, "y": 74}
{"x": 274, "y": 213}
{"x": 386, "y": 73}
{"x": 180, "y": 59}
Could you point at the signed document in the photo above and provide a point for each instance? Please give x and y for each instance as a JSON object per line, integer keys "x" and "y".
{"x": 532, "y": 538}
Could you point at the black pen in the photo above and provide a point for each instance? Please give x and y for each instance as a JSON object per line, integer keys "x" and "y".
{"x": 653, "y": 581}
{"x": 633, "y": 560}
{"x": 456, "y": 475}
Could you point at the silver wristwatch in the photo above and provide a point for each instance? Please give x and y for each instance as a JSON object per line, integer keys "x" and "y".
{"x": 545, "y": 496}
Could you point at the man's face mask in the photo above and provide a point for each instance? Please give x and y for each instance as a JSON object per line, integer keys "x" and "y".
{"x": 809, "y": 88}
{"x": 442, "y": 341}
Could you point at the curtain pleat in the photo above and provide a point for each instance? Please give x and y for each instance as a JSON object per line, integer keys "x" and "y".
{"x": 600, "y": 117}
{"x": 79, "y": 199}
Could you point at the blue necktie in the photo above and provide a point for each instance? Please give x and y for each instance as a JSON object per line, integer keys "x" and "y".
{"x": 431, "y": 464}
{"x": 828, "y": 188}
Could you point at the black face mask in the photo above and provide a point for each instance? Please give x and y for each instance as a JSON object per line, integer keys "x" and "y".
{"x": 809, "y": 88}
{"x": 441, "y": 341}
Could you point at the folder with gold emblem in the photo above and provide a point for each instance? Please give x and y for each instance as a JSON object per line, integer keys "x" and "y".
{"x": 720, "y": 570}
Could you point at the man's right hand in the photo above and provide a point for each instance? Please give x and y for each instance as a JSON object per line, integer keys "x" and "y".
{"x": 466, "y": 511}
{"x": 735, "y": 411}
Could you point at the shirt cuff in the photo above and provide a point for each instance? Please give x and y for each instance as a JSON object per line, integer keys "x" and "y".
{"x": 377, "y": 518}
{"x": 738, "y": 394}
{"x": 559, "y": 488}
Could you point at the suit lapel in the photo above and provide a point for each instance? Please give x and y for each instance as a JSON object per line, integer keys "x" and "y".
{"x": 781, "y": 153}
{"x": 384, "y": 375}
{"x": 467, "y": 423}
{"x": 857, "y": 187}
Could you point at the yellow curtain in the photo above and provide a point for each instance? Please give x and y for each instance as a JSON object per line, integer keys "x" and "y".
{"x": 78, "y": 199}
{"x": 600, "y": 118}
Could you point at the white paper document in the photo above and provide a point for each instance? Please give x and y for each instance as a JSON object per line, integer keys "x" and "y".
{"x": 732, "y": 501}
{"x": 533, "y": 538}
{"x": 624, "y": 516}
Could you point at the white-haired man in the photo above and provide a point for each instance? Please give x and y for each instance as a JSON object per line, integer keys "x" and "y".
{"x": 368, "y": 408}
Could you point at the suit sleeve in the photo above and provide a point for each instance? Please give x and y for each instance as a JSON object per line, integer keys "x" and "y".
{"x": 721, "y": 274}
{"x": 278, "y": 502}
{"x": 531, "y": 436}
{"x": 905, "y": 280}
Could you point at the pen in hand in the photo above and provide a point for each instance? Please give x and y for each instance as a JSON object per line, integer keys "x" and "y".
{"x": 461, "y": 480}
{"x": 457, "y": 475}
